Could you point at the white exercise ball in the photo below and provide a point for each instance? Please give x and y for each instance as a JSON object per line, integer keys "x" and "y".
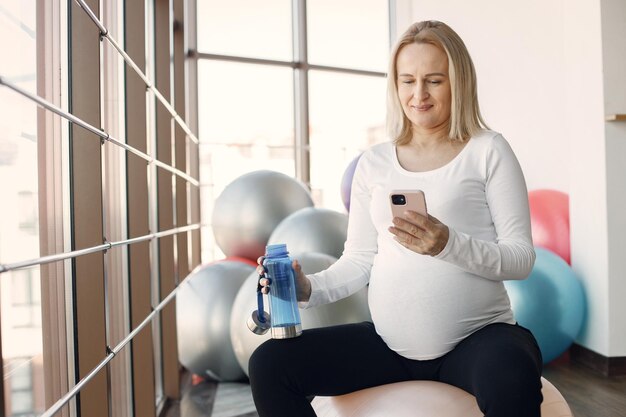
{"x": 249, "y": 209}
{"x": 313, "y": 229}
{"x": 203, "y": 309}
{"x": 352, "y": 309}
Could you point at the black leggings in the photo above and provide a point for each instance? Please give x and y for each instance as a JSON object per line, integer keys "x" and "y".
{"x": 499, "y": 364}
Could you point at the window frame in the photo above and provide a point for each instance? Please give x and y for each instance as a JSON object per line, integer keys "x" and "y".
{"x": 54, "y": 212}
{"x": 301, "y": 67}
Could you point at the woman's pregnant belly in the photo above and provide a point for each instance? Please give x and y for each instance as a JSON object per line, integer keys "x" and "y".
{"x": 423, "y": 307}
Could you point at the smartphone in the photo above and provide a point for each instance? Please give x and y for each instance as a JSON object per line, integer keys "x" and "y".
{"x": 403, "y": 200}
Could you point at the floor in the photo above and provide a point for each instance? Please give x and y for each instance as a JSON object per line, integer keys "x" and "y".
{"x": 212, "y": 399}
{"x": 588, "y": 393}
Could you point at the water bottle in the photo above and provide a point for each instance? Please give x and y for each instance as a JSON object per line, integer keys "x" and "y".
{"x": 285, "y": 316}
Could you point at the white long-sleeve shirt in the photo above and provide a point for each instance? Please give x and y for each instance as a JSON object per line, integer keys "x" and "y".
{"x": 423, "y": 306}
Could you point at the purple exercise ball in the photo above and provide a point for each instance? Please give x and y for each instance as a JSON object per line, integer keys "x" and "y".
{"x": 346, "y": 182}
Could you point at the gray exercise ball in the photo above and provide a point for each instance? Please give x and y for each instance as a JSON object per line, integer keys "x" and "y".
{"x": 249, "y": 209}
{"x": 313, "y": 229}
{"x": 203, "y": 308}
{"x": 352, "y": 309}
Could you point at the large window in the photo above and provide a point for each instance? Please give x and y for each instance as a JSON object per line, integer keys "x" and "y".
{"x": 19, "y": 231}
{"x": 98, "y": 221}
{"x": 264, "y": 67}
{"x": 246, "y": 28}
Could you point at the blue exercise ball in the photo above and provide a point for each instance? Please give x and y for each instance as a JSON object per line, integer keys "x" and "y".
{"x": 550, "y": 303}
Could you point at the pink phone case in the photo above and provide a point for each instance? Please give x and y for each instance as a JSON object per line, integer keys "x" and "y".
{"x": 413, "y": 200}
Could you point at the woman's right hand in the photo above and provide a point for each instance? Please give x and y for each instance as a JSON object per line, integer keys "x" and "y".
{"x": 303, "y": 284}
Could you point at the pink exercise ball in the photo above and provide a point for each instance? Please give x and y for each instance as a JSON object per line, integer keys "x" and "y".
{"x": 549, "y": 220}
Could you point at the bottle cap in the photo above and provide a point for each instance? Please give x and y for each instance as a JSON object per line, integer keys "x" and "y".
{"x": 256, "y": 326}
{"x": 278, "y": 249}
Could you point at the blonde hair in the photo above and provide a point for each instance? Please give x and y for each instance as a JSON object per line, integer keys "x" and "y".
{"x": 465, "y": 118}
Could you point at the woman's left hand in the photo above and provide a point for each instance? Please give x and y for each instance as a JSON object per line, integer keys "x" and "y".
{"x": 427, "y": 236}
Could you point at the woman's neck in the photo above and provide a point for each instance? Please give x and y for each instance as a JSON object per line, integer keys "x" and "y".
{"x": 429, "y": 138}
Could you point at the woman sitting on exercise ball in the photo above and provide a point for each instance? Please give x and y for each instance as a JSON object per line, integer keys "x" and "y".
{"x": 439, "y": 308}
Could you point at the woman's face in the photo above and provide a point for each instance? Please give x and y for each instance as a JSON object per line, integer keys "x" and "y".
{"x": 424, "y": 86}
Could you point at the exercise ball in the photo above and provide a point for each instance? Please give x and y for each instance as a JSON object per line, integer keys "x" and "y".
{"x": 249, "y": 209}
{"x": 203, "y": 308}
{"x": 550, "y": 302}
{"x": 422, "y": 399}
{"x": 346, "y": 182}
{"x": 243, "y": 260}
{"x": 313, "y": 229}
{"x": 549, "y": 220}
{"x": 352, "y": 309}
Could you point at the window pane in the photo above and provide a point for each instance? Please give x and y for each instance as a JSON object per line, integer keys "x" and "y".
{"x": 27, "y": 205}
{"x": 245, "y": 104}
{"x": 21, "y": 316}
{"x": 35, "y": 287}
{"x": 347, "y": 115}
{"x": 19, "y": 230}
{"x": 21, "y": 402}
{"x": 348, "y": 33}
{"x": 21, "y": 293}
{"x": 21, "y": 376}
{"x": 245, "y": 124}
{"x": 252, "y": 28}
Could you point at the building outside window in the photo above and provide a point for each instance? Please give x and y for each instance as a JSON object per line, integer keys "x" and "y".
{"x": 26, "y": 299}
{"x": 20, "y": 387}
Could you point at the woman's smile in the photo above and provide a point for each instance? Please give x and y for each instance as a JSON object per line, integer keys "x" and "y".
{"x": 422, "y": 107}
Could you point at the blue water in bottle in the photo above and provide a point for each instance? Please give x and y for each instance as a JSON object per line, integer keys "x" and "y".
{"x": 282, "y": 296}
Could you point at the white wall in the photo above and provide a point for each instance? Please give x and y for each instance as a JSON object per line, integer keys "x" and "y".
{"x": 541, "y": 83}
{"x": 517, "y": 49}
{"x": 614, "y": 64}
{"x": 588, "y": 203}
